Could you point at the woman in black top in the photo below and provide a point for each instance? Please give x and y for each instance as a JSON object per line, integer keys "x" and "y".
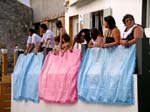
{"x": 112, "y": 34}
{"x": 132, "y": 31}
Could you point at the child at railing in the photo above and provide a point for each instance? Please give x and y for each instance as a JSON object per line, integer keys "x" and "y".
{"x": 96, "y": 38}
{"x": 66, "y": 43}
{"x": 56, "y": 45}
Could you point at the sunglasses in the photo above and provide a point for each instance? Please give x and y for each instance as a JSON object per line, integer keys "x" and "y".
{"x": 127, "y": 20}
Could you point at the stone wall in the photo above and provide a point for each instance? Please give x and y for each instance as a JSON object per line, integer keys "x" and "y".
{"x": 15, "y": 20}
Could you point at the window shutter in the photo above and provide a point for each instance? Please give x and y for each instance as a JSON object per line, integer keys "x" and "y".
{"x": 107, "y": 12}
{"x": 87, "y": 20}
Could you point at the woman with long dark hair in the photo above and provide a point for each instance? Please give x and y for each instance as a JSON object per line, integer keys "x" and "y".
{"x": 112, "y": 34}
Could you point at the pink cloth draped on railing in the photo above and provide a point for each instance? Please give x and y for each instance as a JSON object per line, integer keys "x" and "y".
{"x": 58, "y": 79}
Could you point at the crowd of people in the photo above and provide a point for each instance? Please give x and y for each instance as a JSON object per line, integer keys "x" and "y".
{"x": 93, "y": 37}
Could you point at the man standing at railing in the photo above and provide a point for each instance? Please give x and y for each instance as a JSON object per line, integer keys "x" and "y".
{"x": 33, "y": 41}
{"x": 47, "y": 41}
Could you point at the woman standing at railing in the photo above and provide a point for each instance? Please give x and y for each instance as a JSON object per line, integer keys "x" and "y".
{"x": 112, "y": 34}
{"x": 131, "y": 32}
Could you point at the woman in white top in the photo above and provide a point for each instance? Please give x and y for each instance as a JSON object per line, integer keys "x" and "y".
{"x": 131, "y": 32}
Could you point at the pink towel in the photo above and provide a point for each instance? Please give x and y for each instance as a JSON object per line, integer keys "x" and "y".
{"x": 58, "y": 79}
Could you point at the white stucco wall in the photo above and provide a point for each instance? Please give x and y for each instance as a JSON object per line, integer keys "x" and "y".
{"x": 119, "y": 9}
{"x": 22, "y": 106}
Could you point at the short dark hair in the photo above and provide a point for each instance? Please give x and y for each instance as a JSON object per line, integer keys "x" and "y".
{"x": 59, "y": 24}
{"x": 126, "y": 17}
{"x": 94, "y": 33}
{"x": 57, "y": 38}
{"x": 66, "y": 37}
{"x": 43, "y": 26}
{"x": 111, "y": 21}
{"x": 31, "y": 30}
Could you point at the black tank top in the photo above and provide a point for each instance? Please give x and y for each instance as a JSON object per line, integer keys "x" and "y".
{"x": 109, "y": 38}
{"x": 131, "y": 35}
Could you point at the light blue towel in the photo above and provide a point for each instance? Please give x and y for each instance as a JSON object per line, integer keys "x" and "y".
{"x": 19, "y": 74}
{"x": 106, "y": 75}
{"x": 30, "y": 88}
{"x": 26, "y": 77}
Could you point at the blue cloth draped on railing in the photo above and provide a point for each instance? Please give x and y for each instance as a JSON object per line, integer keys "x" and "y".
{"x": 26, "y": 77}
{"x": 106, "y": 75}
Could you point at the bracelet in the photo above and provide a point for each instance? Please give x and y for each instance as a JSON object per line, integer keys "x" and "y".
{"x": 127, "y": 43}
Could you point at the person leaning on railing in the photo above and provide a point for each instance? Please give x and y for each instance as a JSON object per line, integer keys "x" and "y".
{"x": 47, "y": 41}
{"x": 81, "y": 37}
{"x": 96, "y": 38}
{"x": 131, "y": 32}
{"x": 33, "y": 44}
{"x": 112, "y": 34}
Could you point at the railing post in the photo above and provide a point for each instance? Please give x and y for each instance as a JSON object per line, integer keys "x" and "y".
{"x": 4, "y": 62}
{"x": 143, "y": 64}
{"x": 83, "y": 48}
{"x": 15, "y": 56}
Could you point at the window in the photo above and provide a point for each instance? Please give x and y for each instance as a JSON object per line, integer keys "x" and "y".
{"x": 146, "y": 16}
{"x": 97, "y": 20}
{"x": 146, "y": 13}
